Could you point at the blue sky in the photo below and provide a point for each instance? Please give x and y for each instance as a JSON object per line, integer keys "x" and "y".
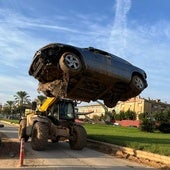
{"x": 136, "y": 30}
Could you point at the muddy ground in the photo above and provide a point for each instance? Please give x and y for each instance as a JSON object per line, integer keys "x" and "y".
{"x": 9, "y": 148}
{"x": 10, "y": 154}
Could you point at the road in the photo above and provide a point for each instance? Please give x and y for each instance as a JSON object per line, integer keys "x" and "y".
{"x": 59, "y": 156}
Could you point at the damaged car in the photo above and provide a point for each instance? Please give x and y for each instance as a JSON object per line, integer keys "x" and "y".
{"x": 89, "y": 74}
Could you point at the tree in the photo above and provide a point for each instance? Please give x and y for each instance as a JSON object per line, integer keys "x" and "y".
{"x": 9, "y": 104}
{"x": 163, "y": 120}
{"x": 162, "y": 117}
{"x": 8, "y": 107}
{"x": 21, "y": 98}
{"x": 147, "y": 122}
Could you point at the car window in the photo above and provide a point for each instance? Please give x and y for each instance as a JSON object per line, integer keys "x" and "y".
{"x": 108, "y": 55}
{"x": 118, "y": 59}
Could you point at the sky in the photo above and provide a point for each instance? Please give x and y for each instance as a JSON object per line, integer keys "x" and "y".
{"x": 135, "y": 30}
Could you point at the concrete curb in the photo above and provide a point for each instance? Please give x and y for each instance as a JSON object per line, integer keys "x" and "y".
{"x": 9, "y": 123}
{"x": 124, "y": 152}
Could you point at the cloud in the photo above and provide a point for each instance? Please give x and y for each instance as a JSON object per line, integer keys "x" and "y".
{"x": 121, "y": 10}
{"x": 16, "y": 45}
{"x": 11, "y": 85}
{"x": 146, "y": 46}
{"x": 119, "y": 28}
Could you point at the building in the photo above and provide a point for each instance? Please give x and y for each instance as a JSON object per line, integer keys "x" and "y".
{"x": 97, "y": 109}
{"x": 142, "y": 105}
{"x": 136, "y": 104}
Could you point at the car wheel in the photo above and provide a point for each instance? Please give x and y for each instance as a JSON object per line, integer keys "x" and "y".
{"x": 137, "y": 84}
{"x": 110, "y": 102}
{"x": 1, "y": 125}
{"x": 70, "y": 62}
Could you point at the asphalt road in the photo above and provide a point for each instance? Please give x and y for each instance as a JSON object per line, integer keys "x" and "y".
{"x": 59, "y": 156}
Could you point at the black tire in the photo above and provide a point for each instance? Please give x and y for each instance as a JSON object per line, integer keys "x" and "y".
{"x": 22, "y": 130}
{"x": 1, "y": 125}
{"x": 70, "y": 62}
{"x": 110, "y": 102}
{"x": 79, "y": 138}
{"x": 39, "y": 138}
{"x": 137, "y": 84}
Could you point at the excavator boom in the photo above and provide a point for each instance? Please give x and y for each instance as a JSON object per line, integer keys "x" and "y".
{"x": 48, "y": 102}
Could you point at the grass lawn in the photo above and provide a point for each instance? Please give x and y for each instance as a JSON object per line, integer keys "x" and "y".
{"x": 127, "y": 136}
{"x": 11, "y": 120}
{"x": 130, "y": 137}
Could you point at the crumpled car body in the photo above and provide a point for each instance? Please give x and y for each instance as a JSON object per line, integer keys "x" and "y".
{"x": 92, "y": 74}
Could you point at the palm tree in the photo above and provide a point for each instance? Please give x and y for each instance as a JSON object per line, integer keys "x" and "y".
{"x": 9, "y": 104}
{"x": 21, "y": 98}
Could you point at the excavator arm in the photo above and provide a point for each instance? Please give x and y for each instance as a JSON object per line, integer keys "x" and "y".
{"x": 48, "y": 102}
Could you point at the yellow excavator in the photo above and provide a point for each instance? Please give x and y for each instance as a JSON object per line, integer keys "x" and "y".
{"x": 54, "y": 120}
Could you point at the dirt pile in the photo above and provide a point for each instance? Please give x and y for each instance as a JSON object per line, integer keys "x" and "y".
{"x": 56, "y": 88}
{"x": 9, "y": 148}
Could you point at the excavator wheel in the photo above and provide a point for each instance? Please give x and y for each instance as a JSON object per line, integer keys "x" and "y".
{"x": 79, "y": 138}
{"x": 39, "y": 138}
{"x": 22, "y": 130}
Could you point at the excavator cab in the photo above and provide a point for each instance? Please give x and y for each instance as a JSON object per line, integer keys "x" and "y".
{"x": 62, "y": 110}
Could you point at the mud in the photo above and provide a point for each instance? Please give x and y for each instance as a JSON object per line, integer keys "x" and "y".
{"x": 56, "y": 88}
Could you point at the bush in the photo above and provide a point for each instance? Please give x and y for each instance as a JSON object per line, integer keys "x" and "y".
{"x": 164, "y": 127}
{"x": 147, "y": 125}
{"x": 162, "y": 117}
{"x": 122, "y": 115}
{"x": 117, "y": 117}
{"x": 130, "y": 115}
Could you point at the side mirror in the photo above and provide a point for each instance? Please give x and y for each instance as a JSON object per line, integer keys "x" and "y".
{"x": 34, "y": 105}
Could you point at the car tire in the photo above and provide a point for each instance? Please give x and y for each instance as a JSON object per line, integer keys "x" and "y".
{"x": 1, "y": 125}
{"x": 137, "y": 84}
{"x": 110, "y": 102}
{"x": 70, "y": 62}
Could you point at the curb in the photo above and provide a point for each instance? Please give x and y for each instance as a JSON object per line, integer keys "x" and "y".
{"x": 152, "y": 159}
{"x": 9, "y": 123}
